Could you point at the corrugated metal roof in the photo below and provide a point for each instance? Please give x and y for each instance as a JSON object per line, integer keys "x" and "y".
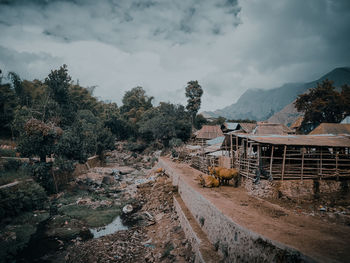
{"x": 332, "y": 128}
{"x": 209, "y": 132}
{"x": 216, "y": 140}
{"x": 212, "y": 148}
{"x": 302, "y": 140}
{"x": 231, "y": 125}
{"x": 346, "y": 120}
{"x": 219, "y": 153}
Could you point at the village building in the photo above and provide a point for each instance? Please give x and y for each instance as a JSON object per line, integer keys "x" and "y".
{"x": 207, "y": 133}
{"x": 290, "y": 156}
{"x": 331, "y": 128}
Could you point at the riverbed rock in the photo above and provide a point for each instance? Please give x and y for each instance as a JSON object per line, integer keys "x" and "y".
{"x": 127, "y": 209}
{"x": 108, "y": 180}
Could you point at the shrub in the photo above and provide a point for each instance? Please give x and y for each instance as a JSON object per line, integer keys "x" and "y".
{"x": 12, "y": 165}
{"x": 7, "y": 152}
{"x": 25, "y": 196}
{"x": 42, "y": 173}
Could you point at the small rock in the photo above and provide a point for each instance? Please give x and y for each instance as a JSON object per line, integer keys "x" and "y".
{"x": 127, "y": 209}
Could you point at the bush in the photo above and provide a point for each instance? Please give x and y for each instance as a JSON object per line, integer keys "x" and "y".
{"x": 12, "y": 165}
{"x": 136, "y": 146}
{"x": 42, "y": 173}
{"x": 25, "y": 196}
{"x": 7, "y": 152}
{"x": 175, "y": 142}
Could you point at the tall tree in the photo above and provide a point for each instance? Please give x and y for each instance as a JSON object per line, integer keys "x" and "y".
{"x": 58, "y": 83}
{"x": 323, "y": 104}
{"x": 135, "y": 103}
{"x": 194, "y": 93}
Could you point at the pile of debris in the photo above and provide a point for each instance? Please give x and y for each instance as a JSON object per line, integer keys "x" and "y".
{"x": 154, "y": 235}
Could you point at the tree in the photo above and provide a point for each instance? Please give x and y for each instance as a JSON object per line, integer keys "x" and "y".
{"x": 7, "y": 108}
{"x": 200, "y": 121}
{"x": 58, "y": 83}
{"x": 38, "y": 139}
{"x": 323, "y": 104}
{"x": 135, "y": 103}
{"x": 165, "y": 122}
{"x": 194, "y": 93}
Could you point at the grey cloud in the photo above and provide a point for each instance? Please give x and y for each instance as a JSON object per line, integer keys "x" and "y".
{"x": 227, "y": 45}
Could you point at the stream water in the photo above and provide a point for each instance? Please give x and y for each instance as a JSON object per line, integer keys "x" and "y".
{"x": 111, "y": 228}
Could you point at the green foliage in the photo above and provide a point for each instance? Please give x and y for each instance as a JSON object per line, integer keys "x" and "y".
{"x": 117, "y": 124}
{"x": 12, "y": 165}
{"x": 42, "y": 172}
{"x": 194, "y": 93}
{"x": 7, "y": 152}
{"x": 38, "y": 139}
{"x": 7, "y": 108}
{"x": 135, "y": 103}
{"x": 165, "y": 122}
{"x": 218, "y": 121}
{"x": 136, "y": 146}
{"x": 199, "y": 121}
{"x": 92, "y": 217}
{"x": 58, "y": 84}
{"x": 323, "y": 104}
{"x": 10, "y": 174}
{"x": 25, "y": 196}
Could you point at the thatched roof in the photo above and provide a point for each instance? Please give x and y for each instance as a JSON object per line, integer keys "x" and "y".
{"x": 332, "y": 128}
{"x": 297, "y": 123}
{"x": 247, "y": 127}
{"x": 271, "y": 128}
{"x": 209, "y": 132}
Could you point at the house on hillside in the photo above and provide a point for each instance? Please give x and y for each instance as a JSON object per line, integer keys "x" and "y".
{"x": 207, "y": 133}
{"x": 331, "y": 128}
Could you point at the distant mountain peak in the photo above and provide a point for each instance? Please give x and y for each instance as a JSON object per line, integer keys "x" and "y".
{"x": 259, "y": 104}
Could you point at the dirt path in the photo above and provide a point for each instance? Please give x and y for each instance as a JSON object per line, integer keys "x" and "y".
{"x": 320, "y": 240}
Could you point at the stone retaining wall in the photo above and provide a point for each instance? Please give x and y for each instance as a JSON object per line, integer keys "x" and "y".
{"x": 296, "y": 189}
{"x": 235, "y": 243}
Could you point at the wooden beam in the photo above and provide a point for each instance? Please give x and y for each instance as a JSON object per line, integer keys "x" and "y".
{"x": 271, "y": 159}
{"x": 284, "y": 160}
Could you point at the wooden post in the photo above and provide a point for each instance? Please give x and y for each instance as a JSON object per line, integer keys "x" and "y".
{"x": 302, "y": 163}
{"x": 271, "y": 160}
{"x": 284, "y": 160}
{"x": 336, "y": 165}
{"x": 231, "y": 151}
{"x": 236, "y": 143}
{"x": 248, "y": 157}
{"x": 321, "y": 163}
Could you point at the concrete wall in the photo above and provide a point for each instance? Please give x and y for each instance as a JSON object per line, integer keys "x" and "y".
{"x": 235, "y": 243}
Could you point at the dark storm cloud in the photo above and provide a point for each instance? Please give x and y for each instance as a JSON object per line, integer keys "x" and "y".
{"x": 228, "y": 45}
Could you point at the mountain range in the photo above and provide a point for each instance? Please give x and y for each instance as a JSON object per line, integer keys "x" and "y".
{"x": 276, "y": 105}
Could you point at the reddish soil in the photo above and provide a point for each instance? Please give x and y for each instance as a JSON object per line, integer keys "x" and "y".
{"x": 323, "y": 241}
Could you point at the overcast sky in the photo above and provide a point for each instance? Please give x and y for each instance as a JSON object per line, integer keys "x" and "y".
{"x": 227, "y": 45}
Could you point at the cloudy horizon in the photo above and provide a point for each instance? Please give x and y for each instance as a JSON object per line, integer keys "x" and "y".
{"x": 229, "y": 46}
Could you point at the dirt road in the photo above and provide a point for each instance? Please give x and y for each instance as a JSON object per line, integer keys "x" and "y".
{"x": 323, "y": 241}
